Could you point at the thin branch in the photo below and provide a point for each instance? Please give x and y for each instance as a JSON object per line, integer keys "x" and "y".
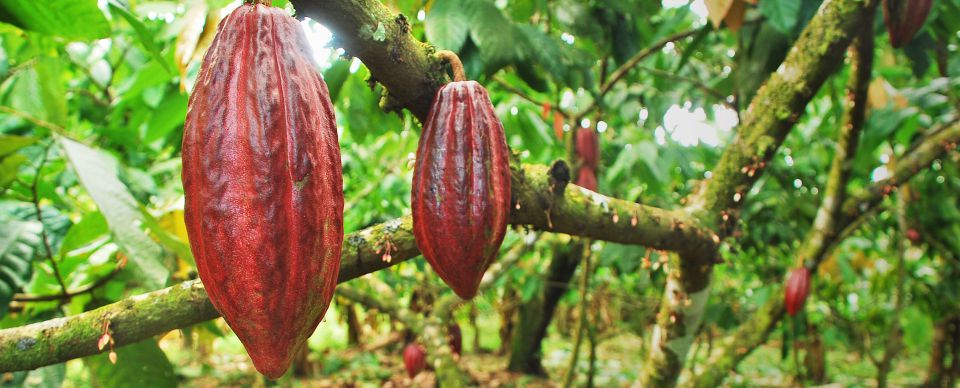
{"x": 695, "y": 82}
{"x": 30, "y": 118}
{"x": 628, "y": 66}
{"x": 43, "y": 226}
{"x": 70, "y": 294}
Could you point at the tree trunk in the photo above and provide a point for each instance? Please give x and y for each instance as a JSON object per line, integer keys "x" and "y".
{"x": 508, "y": 309}
{"x": 815, "y": 359}
{"x": 354, "y": 329}
{"x": 536, "y": 314}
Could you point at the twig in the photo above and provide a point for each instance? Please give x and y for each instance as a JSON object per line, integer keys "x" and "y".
{"x": 695, "y": 82}
{"x": 582, "y": 324}
{"x": 28, "y": 117}
{"x": 43, "y": 226}
{"x": 68, "y": 295}
{"x": 627, "y": 66}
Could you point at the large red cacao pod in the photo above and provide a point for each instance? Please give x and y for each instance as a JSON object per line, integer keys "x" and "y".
{"x": 588, "y": 147}
{"x": 461, "y": 186}
{"x": 904, "y": 18}
{"x": 798, "y": 285}
{"x": 414, "y": 359}
{"x": 263, "y": 184}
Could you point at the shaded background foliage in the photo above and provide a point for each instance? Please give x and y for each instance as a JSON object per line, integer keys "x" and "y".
{"x": 93, "y": 97}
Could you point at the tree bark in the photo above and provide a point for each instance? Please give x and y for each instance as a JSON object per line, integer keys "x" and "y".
{"x": 536, "y": 314}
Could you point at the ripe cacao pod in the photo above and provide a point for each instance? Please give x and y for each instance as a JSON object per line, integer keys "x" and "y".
{"x": 586, "y": 178}
{"x": 414, "y": 359}
{"x": 455, "y": 338}
{"x": 904, "y": 18}
{"x": 588, "y": 147}
{"x": 263, "y": 184}
{"x": 461, "y": 186}
{"x": 798, "y": 285}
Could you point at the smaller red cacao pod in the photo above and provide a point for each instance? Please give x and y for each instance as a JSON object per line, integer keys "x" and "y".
{"x": 460, "y": 197}
{"x": 904, "y": 18}
{"x": 455, "y": 338}
{"x": 586, "y": 178}
{"x": 588, "y": 147}
{"x": 913, "y": 235}
{"x": 414, "y": 359}
{"x": 798, "y": 285}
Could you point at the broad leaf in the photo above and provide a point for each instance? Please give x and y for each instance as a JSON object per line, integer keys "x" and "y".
{"x": 70, "y": 19}
{"x": 142, "y": 364}
{"x": 98, "y": 174}
{"x": 781, "y": 14}
{"x": 18, "y": 242}
{"x": 446, "y": 24}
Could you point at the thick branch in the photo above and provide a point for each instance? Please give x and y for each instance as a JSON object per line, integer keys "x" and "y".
{"x": 381, "y": 38}
{"x": 780, "y": 102}
{"x": 573, "y": 211}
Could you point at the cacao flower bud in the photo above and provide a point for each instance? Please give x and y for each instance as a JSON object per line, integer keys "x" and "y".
{"x": 798, "y": 285}
{"x": 904, "y": 18}
{"x": 460, "y": 198}
{"x": 263, "y": 184}
{"x": 414, "y": 359}
{"x": 455, "y": 338}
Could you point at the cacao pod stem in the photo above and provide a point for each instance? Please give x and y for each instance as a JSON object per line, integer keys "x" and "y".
{"x": 455, "y": 63}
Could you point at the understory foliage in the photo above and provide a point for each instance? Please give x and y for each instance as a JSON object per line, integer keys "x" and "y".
{"x": 93, "y": 96}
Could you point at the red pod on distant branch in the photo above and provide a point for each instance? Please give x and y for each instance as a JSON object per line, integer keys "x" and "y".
{"x": 414, "y": 359}
{"x": 263, "y": 184}
{"x": 798, "y": 285}
{"x": 904, "y": 18}
{"x": 461, "y": 185}
{"x": 588, "y": 147}
{"x": 913, "y": 235}
{"x": 455, "y": 338}
{"x": 586, "y": 178}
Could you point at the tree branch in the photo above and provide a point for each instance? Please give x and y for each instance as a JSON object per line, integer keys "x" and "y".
{"x": 566, "y": 210}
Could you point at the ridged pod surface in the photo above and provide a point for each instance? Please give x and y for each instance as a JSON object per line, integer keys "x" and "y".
{"x": 414, "y": 359}
{"x": 904, "y": 18}
{"x": 798, "y": 285}
{"x": 263, "y": 184}
{"x": 588, "y": 147}
{"x": 461, "y": 186}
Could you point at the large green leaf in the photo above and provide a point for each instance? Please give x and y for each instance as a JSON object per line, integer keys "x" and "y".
{"x": 142, "y": 364}
{"x": 71, "y": 19}
{"x": 446, "y": 24}
{"x": 18, "y": 242}
{"x": 98, "y": 174}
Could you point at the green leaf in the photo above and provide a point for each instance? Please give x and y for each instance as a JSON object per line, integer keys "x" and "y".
{"x": 18, "y": 242}
{"x": 91, "y": 226}
{"x": 168, "y": 116}
{"x": 781, "y": 14}
{"x": 98, "y": 174}
{"x": 144, "y": 35}
{"x": 498, "y": 39}
{"x": 40, "y": 92}
{"x": 446, "y": 25}
{"x": 11, "y": 143}
{"x": 47, "y": 377}
{"x": 142, "y": 364}
{"x": 70, "y": 19}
